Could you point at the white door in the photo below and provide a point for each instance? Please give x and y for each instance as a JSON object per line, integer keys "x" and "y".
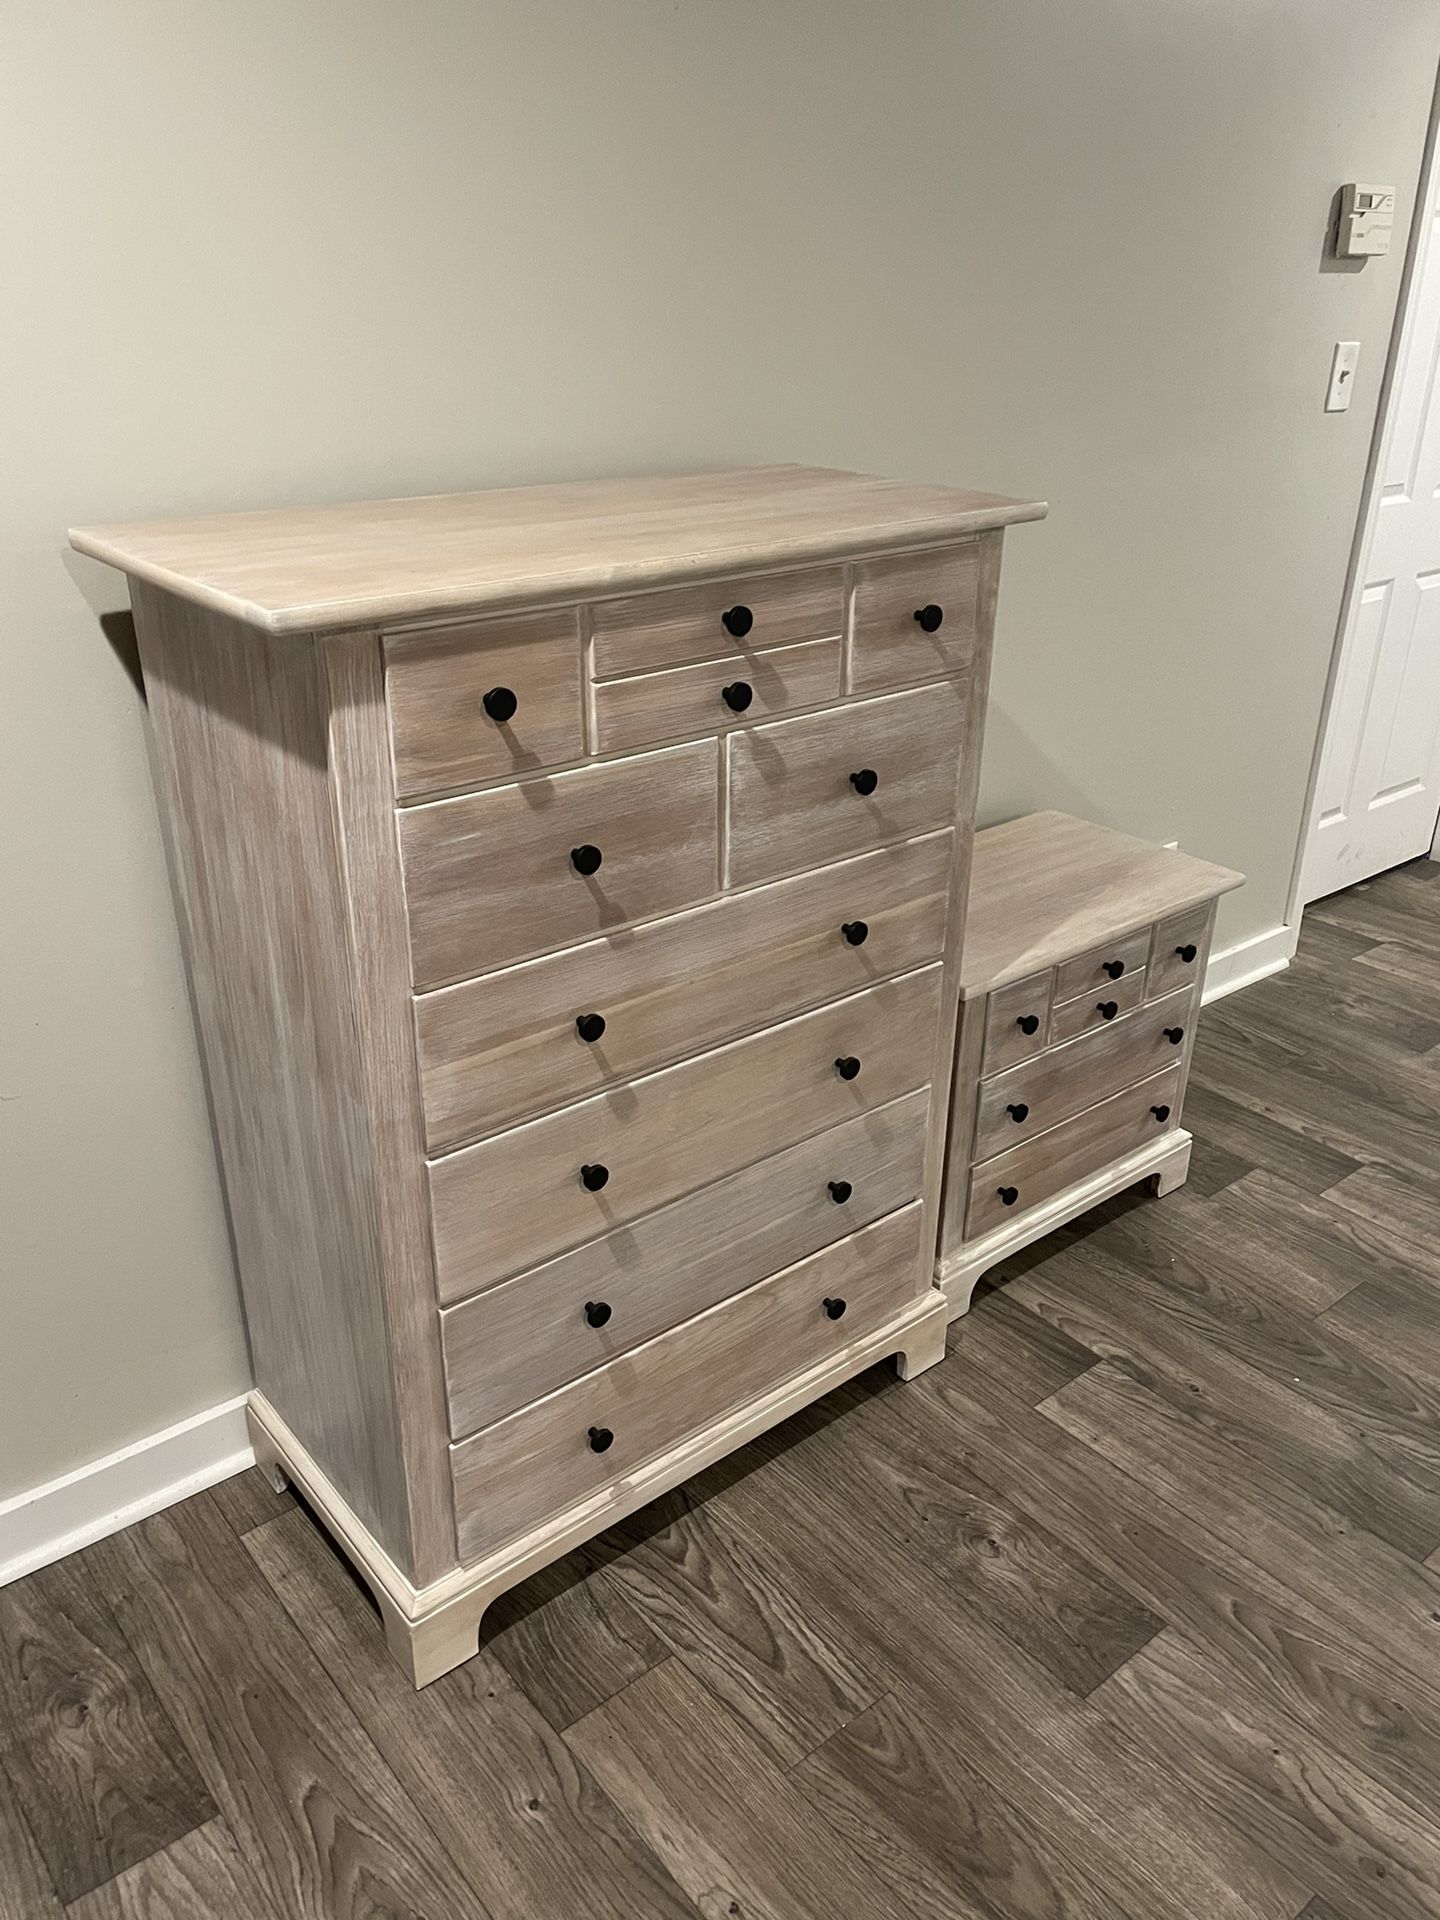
{"x": 1377, "y": 794}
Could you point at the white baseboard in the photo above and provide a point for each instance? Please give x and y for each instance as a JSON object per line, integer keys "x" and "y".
{"x": 48, "y": 1522}
{"x": 1240, "y": 966}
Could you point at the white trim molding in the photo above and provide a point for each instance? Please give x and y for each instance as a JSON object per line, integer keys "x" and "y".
{"x": 1250, "y": 960}
{"x": 79, "y": 1508}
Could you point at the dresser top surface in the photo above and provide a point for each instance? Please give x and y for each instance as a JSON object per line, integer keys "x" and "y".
{"x": 1048, "y": 886}
{"x": 302, "y": 569}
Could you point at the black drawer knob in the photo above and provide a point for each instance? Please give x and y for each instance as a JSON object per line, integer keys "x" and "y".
{"x": 1161, "y": 1113}
{"x": 834, "y": 1309}
{"x": 500, "y": 703}
{"x": 600, "y": 1439}
{"x": 586, "y": 859}
{"x": 1188, "y": 952}
{"x": 738, "y": 695}
{"x": 865, "y": 781}
{"x": 597, "y": 1312}
{"x": 1174, "y": 1035}
{"x": 1114, "y": 968}
{"x": 847, "y": 1066}
{"x": 590, "y": 1026}
{"x": 1029, "y": 1023}
{"x": 928, "y": 618}
{"x": 593, "y": 1176}
{"x": 1008, "y": 1195}
{"x": 840, "y": 1191}
{"x": 856, "y": 932}
{"x": 1107, "y": 1009}
{"x": 1018, "y": 1111}
{"x": 737, "y": 621}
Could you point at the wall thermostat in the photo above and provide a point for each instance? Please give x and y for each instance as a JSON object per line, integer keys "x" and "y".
{"x": 1366, "y": 217}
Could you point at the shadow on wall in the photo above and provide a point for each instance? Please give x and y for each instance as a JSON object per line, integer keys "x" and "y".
{"x": 1018, "y": 778}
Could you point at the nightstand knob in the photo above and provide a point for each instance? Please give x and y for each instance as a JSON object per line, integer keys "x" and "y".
{"x": 847, "y": 1066}
{"x": 737, "y": 621}
{"x": 1008, "y": 1195}
{"x": 1188, "y": 952}
{"x": 590, "y": 1026}
{"x": 928, "y": 618}
{"x": 586, "y": 859}
{"x": 1029, "y": 1023}
{"x": 593, "y": 1176}
{"x": 1161, "y": 1113}
{"x": 500, "y": 703}
{"x": 738, "y": 695}
{"x": 1114, "y": 968}
{"x": 840, "y": 1191}
{"x": 1018, "y": 1112}
{"x": 599, "y": 1439}
{"x": 856, "y": 932}
{"x": 1174, "y": 1035}
{"x": 865, "y": 781}
{"x": 597, "y": 1312}
{"x": 1107, "y": 1009}
{"x": 834, "y": 1309}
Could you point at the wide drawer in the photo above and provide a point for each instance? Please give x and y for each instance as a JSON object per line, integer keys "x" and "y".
{"x": 719, "y": 620}
{"x": 1027, "y": 1100}
{"x": 804, "y": 791}
{"x": 496, "y": 1050}
{"x": 1097, "y": 1008}
{"x": 1017, "y": 1022}
{"x": 493, "y": 876}
{"x": 714, "y": 695}
{"x": 515, "y": 1342}
{"x": 483, "y": 702}
{"x": 1103, "y": 966}
{"x": 503, "y": 1204}
{"x": 564, "y": 1449}
{"x": 1007, "y": 1186}
{"x": 1177, "y": 952}
{"x": 895, "y": 640}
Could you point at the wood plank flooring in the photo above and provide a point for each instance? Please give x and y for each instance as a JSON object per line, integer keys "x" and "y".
{"x": 1128, "y": 1611}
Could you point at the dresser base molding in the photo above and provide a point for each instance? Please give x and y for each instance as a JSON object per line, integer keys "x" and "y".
{"x": 431, "y": 1629}
{"x": 1165, "y": 1162}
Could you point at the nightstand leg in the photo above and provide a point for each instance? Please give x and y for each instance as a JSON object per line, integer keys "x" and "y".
{"x": 1173, "y": 1170}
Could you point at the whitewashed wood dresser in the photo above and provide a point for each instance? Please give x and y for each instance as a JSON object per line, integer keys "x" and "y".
{"x": 1080, "y": 986}
{"x": 573, "y": 881}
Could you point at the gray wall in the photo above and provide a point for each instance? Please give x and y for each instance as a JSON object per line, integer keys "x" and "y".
{"x": 281, "y": 253}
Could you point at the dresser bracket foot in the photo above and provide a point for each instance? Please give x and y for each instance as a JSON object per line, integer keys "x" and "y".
{"x": 926, "y": 1344}
{"x": 1175, "y": 1169}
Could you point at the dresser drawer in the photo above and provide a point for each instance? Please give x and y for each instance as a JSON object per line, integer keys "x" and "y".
{"x": 715, "y": 694}
{"x": 513, "y": 1343}
{"x": 793, "y": 801}
{"x": 1031, "y": 1098}
{"x": 1103, "y": 966}
{"x": 1017, "y": 1022}
{"x": 1177, "y": 953}
{"x": 483, "y": 702}
{"x": 492, "y": 876}
{"x": 1003, "y": 1188}
{"x": 1097, "y": 1008}
{"x": 509, "y": 1201}
{"x": 496, "y": 1050}
{"x": 893, "y": 639}
{"x": 722, "y": 620}
{"x": 582, "y": 1439}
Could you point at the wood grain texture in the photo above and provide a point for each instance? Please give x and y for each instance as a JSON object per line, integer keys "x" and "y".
{"x": 1172, "y": 962}
{"x": 670, "y": 629}
{"x": 1095, "y": 1008}
{"x": 26, "y": 1889}
{"x": 294, "y": 570}
{"x": 1091, "y": 972}
{"x": 503, "y": 1204}
{"x": 680, "y": 702}
{"x": 1006, "y": 1043}
{"x": 202, "y": 1874}
{"x": 888, "y": 647}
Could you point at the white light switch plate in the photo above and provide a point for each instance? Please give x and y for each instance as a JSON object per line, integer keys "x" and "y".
{"x": 1343, "y": 363}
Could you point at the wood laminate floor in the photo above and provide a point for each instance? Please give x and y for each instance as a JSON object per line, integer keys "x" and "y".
{"x": 1129, "y": 1611}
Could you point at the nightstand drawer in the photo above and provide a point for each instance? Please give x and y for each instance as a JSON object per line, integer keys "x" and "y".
{"x": 717, "y": 694}
{"x": 1017, "y": 1023}
{"x": 494, "y": 876}
{"x": 721, "y": 620}
{"x": 810, "y": 790}
{"x": 580, "y": 1440}
{"x": 1096, "y": 1008}
{"x": 1177, "y": 953}
{"x": 914, "y": 617}
{"x": 1102, "y": 966}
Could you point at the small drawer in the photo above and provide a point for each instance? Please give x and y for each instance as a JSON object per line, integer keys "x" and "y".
{"x": 1006, "y": 1187}
{"x": 1017, "y": 1022}
{"x": 496, "y": 1050}
{"x": 503, "y": 1204}
{"x": 483, "y": 702}
{"x": 810, "y": 790}
{"x": 493, "y": 876}
{"x": 1097, "y": 1008}
{"x": 717, "y": 694}
{"x": 1017, "y": 1105}
{"x": 914, "y": 617}
{"x": 569, "y": 1447}
{"x": 515, "y": 1342}
{"x": 1103, "y": 966}
{"x": 1177, "y": 953}
{"x": 722, "y": 620}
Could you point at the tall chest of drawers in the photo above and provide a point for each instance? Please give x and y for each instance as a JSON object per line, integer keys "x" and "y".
{"x": 573, "y": 886}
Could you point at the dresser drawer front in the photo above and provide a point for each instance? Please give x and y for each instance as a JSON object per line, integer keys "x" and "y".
{"x": 489, "y": 877}
{"x": 509, "y": 1201}
{"x": 792, "y": 800}
{"x": 717, "y": 694}
{"x": 889, "y": 647}
{"x": 1097, "y": 1008}
{"x": 1071, "y": 1152}
{"x": 1178, "y": 951}
{"x": 516, "y": 1342}
{"x": 1077, "y": 1075}
{"x": 669, "y": 629}
{"x": 541, "y": 1461}
{"x": 497, "y": 1050}
{"x": 1010, "y": 1036}
{"x": 437, "y": 684}
{"x": 1096, "y": 969}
